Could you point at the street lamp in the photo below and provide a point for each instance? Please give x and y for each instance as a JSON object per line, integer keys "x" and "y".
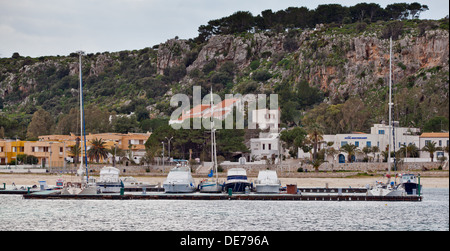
{"x": 169, "y": 145}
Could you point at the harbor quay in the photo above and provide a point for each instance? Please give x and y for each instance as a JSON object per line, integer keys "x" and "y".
{"x": 200, "y": 196}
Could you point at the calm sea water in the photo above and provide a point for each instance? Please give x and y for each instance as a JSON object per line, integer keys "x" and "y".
{"x": 431, "y": 214}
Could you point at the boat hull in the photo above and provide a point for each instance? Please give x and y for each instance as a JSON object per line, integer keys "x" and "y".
{"x": 268, "y": 188}
{"x": 237, "y": 186}
{"x": 109, "y": 187}
{"x": 211, "y": 187}
{"x": 410, "y": 187}
{"x": 385, "y": 192}
{"x": 178, "y": 188}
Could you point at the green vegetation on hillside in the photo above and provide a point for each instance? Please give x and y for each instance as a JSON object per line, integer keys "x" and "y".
{"x": 311, "y": 70}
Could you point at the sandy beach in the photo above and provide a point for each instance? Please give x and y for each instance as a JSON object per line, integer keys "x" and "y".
{"x": 33, "y": 179}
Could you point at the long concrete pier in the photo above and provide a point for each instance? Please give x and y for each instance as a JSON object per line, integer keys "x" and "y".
{"x": 198, "y": 196}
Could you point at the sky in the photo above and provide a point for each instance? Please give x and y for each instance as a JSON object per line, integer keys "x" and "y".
{"x": 59, "y": 27}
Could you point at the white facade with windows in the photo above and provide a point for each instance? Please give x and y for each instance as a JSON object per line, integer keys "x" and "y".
{"x": 379, "y": 137}
{"x": 265, "y": 147}
{"x": 440, "y": 139}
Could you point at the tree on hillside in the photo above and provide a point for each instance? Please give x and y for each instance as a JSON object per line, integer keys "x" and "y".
{"x": 436, "y": 124}
{"x": 41, "y": 124}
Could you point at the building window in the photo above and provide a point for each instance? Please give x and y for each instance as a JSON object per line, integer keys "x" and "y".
{"x": 343, "y": 143}
{"x": 427, "y": 142}
{"x": 357, "y": 143}
{"x": 440, "y": 142}
{"x": 380, "y": 131}
{"x": 264, "y": 146}
{"x": 369, "y": 144}
{"x": 270, "y": 146}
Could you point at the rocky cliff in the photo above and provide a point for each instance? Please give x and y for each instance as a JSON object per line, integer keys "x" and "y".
{"x": 340, "y": 61}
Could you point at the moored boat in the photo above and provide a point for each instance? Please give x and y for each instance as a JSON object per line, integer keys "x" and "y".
{"x": 409, "y": 183}
{"x": 109, "y": 181}
{"x": 179, "y": 180}
{"x": 237, "y": 180}
{"x": 267, "y": 182}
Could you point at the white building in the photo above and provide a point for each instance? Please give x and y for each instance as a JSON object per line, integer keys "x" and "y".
{"x": 379, "y": 136}
{"x": 441, "y": 140}
{"x": 265, "y": 147}
{"x": 265, "y": 119}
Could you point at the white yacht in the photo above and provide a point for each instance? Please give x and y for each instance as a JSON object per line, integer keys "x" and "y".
{"x": 179, "y": 180}
{"x": 386, "y": 189}
{"x": 237, "y": 180}
{"x": 109, "y": 181}
{"x": 268, "y": 182}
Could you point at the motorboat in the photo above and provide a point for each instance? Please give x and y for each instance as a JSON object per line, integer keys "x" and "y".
{"x": 133, "y": 183}
{"x": 237, "y": 180}
{"x": 409, "y": 183}
{"x": 386, "y": 189}
{"x": 109, "y": 181}
{"x": 268, "y": 182}
{"x": 179, "y": 180}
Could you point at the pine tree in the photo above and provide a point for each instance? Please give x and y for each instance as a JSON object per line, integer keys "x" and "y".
{"x": 41, "y": 124}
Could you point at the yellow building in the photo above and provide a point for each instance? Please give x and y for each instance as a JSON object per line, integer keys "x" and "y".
{"x": 53, "y": 150}
{"x": 10, "y": 149}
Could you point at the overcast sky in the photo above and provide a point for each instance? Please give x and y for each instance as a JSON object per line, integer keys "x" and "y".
{"x": 58, "y": 27}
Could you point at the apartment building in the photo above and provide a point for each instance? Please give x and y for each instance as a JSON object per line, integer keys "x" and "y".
{"x": 55, "y": 150}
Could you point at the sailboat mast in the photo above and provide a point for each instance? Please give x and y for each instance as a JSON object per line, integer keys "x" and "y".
{"x": 390, "y": 106}
{"x": 81, "y": 53}
{"x": 213, "y": 138}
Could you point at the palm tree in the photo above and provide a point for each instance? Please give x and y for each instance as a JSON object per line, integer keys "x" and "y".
{"x": 97, "y": 150}
{"x": 431, "y": 148}
{"x": 315, "y": 132}
{"x": 115, "y": 151}
{"x": 367, "y": 150}
{"x": 75, "y": 151}
{"x": 376, "y": 149}
{"x": 410, "y": 150}
{"x": 350, "y": 149}
{"x": 316, "y": 163}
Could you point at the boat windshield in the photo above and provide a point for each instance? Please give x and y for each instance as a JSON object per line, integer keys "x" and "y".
{"x": 237, "y": 177}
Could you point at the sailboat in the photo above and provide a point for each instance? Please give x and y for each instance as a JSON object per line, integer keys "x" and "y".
{"x": 212, "y": 185}
{"x": 389, "y": 188}
{"x": 88, "y": 185}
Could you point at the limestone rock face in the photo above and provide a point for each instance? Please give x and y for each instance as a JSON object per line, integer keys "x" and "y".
{"x": 171, "y": 54}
